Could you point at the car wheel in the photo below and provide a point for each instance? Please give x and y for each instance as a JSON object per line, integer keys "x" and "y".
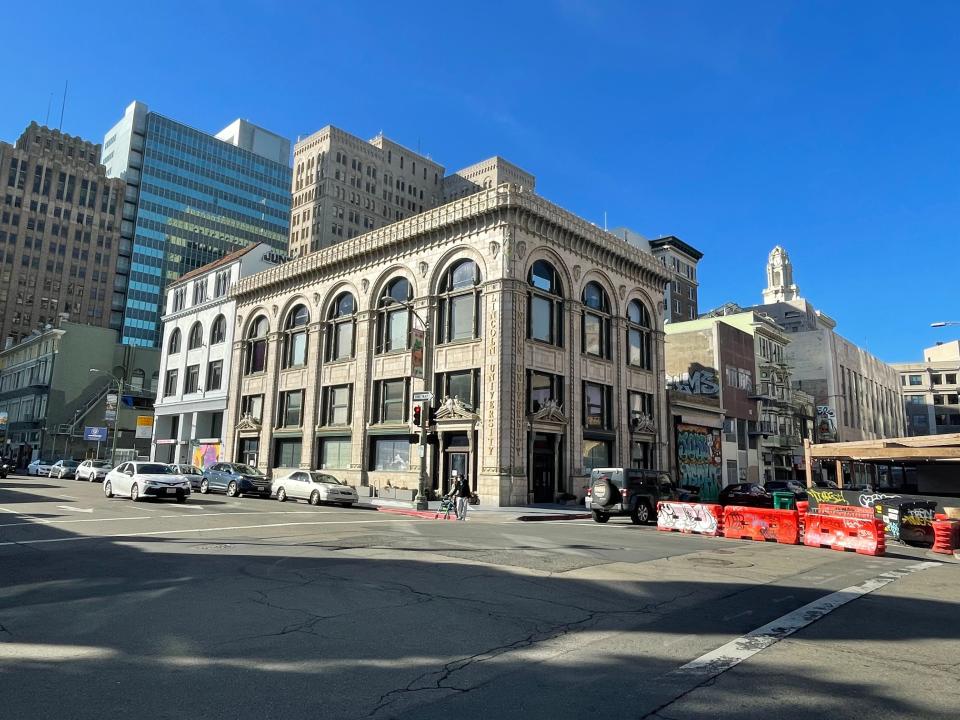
{"x": 281, "y": 495}
{"x": 134, "y": 493}
{"x": 641, "y": 513}
{"x": 315, "y": 497}
{"x": 232, "y": 490}
{"x": 600, "y": 517}
{"x": 204, "y": 487}
{"x": 108, "y": 488}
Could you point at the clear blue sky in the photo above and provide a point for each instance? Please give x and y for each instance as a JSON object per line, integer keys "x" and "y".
{"x": 831, "y": 128}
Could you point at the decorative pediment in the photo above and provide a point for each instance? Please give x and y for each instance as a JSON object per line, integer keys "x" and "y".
{"x": 550, "y": 411}
{"x": 643, "y": 424}
{"x": 452, "y": 408}
{"x": 248, "y": 424}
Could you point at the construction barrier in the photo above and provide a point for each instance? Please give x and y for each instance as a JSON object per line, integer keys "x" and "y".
{"x": 802, "y": 507}
{"x": 946, "y": 535}
{"x": 847, "y": 511}
{"x": 700, "y": 518}
{"x": 845, "y": 531}
{"x": 762, "y": 524}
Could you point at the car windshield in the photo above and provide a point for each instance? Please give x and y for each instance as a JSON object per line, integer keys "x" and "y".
{"x": 153, "y": 469}
{"x": 100, "y": 464}
{"x": 246, "y": 470}
{"x": 70, "y": 463}
{"x": 323, "y": 478}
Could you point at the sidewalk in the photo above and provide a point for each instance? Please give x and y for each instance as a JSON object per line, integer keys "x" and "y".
{"x": 528, "y": 513}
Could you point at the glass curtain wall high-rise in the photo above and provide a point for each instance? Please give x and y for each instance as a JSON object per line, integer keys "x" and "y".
{"x": 191, "y": 198}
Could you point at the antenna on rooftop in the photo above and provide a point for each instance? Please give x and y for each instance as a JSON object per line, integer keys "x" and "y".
{"x": 46, "y": 122}
{"x": 63, "y": 105}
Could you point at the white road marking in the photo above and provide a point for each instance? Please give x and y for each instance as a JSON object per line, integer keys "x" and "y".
{"x": 135, "y": 535}
{"x": 66, "y": 497}
{"x": 75, "y": 509}
{"x": 736, "y": 651}
{"x": 8, "y": 510}
{"x": 58, "y": 521}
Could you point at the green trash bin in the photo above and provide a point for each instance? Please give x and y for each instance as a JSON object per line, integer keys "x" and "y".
{"x": 784, "y": 501}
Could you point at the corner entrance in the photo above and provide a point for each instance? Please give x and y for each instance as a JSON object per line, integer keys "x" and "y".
{"x": 545, "y": 463}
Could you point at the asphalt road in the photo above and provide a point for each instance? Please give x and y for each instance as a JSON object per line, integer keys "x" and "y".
{"x": 249, "y": 608}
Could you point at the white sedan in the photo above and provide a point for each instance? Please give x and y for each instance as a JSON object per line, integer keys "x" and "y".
{"x": 39, "y": 467}
{"x": 315, "y": 487}
{"x": 93, "y": 470}
{"x": 138, "y": 480}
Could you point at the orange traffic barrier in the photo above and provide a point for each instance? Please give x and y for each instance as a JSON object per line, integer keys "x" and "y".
{"x": 700, "y": 518}
{"x": 762, "y": 524}
{"x": 846, "y": 511}
{"x": 802, "y": 507}
{"x": 864, "y": 535}
{"x": 946, "y": 535}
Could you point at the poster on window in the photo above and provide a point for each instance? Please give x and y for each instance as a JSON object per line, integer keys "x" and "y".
{"x": 144, "y": 427}
{"x": 416, "y": 336}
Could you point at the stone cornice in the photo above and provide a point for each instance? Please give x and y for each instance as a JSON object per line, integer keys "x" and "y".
{"x": 504, "y": 205}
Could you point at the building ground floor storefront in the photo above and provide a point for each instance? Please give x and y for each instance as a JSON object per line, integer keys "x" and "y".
{"x": 189, "y": 434}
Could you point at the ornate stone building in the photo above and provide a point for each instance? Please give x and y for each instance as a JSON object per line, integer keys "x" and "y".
{"x": 543, "y": 349}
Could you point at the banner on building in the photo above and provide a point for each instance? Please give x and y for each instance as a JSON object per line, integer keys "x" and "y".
{"x": 4, "y": 419}
{"x": 95, "y": 434}
{"x": 110, "y": 414}
{"x": 144, "y": 427}
{"x": 700, "y": 459}
{"x": 417, "y": 355}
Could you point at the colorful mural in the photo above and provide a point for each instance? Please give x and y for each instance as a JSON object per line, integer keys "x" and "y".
{"x": 699, "y": 459}
{"x": 204, "y": 455}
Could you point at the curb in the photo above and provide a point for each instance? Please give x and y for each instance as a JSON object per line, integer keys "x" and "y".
{"x": 428, "y": 514}
{"x": 535, "y": 518}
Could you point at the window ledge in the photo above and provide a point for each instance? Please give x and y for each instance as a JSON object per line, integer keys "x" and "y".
{"x": 467, "y": 341}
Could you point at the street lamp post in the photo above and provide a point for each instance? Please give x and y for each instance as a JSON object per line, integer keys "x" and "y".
{"x": 421, "y": 499}
{"x": 116, "y": 419}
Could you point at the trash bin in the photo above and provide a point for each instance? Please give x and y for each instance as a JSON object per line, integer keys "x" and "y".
{"x": 784, "y": 501}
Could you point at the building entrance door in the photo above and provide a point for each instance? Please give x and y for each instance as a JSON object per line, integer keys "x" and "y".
{"x": 543, "y": 469}
{"x": 459, "y": 462}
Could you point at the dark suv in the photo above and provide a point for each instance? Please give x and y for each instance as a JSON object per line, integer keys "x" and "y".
{"x": 235, "y": 479}
{"x": 628, "y": 491}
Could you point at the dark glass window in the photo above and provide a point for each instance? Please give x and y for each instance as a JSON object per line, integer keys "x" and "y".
{"x": 173, "y": 346}
{"x": 543, "y": 387}
{"x": 638, "y": 335}
{"x": 596, "y": 321}
{"x": 257, "y": 346}
{"x": 391, "y": 401}
{"x": 545, "y": 306}
{"x": 341, "y": 327}
{"x": 459, "y": 303}
{"x": 336, "y": 405}
{"x": 393, "y": 322}
{"x": 295, "y": 340}
{"x": 291, "y": 407}
{"x": 218, "y": 331}
{"x": 195, "y": 339}
{"x": 214, "y": 374}
{"x": 596, "y": 406}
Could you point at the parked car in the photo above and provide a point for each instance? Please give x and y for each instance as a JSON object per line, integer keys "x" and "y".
{"x": 315, "y": 487}
{"x": 746, "y": 495}
{"x": 93, "y": 470}
{"x": 629, "y": 491}
{"x": 138, "y": 480}
{"x": 64, "y": 469}
{"x": 190, "y": 472}
{"x": 796, "y": 487}
{"x": 235, "y": 479}
{"x": 39, "y": 467}
{"x": 7, "y": 466}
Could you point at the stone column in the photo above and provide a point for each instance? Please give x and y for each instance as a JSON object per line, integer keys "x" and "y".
{"x": 573, "y": 395}
{"x": 493, "y": 482}
{"x": 270, "y": 398}
{"x": 515, "y": 463}
{"x": 232, "y": 413}
{"x": 362, "y": 395}
{"x": 620, "y": 400}
{"x": 311, "y": 393}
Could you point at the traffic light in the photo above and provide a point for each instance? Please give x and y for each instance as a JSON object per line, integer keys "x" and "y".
{"x": 418, "y": 414}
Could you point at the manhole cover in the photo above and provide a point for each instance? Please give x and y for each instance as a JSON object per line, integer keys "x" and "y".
{"x": 710, "y": 562}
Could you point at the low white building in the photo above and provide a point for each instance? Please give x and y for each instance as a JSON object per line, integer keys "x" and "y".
{"x": 198, "y": 330}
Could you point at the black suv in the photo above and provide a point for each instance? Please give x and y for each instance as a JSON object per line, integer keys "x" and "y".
{"x": 628, "y": 491}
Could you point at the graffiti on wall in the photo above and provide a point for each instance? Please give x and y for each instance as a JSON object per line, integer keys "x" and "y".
{"x": 698, "y": 380}
{"x": 826, "y": 424}
{"x": 827, "y": 497}
{"x": 205, "y": 455}
{"x": 699, "y": 460}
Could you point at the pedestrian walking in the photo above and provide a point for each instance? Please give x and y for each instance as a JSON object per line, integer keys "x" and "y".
{"x": 461, "y": 490}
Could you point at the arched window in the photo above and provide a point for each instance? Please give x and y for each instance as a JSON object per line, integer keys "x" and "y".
{"x": 341, "y": 324}
{"x": 393, "y": 322}
{"x": 174, "y": 346}
{"x": 596, "y": 321}
{"x": 638, "y": 335}
{"x": 545, "y": 304}
{"x": 218, "y": 331}
{"x": 137, "y": 379}
{"x": 257, "y": 346}
{"x": 195, "y": 339}
{"x": 295, "y": 339}
{"x": 459, "y": 307}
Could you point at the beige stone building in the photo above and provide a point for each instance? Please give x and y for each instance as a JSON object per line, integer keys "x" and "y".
{"x": 931, "y": 390}
{"x": 543, "y": 349}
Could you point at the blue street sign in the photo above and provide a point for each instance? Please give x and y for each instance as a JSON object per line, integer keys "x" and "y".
{"x": 98, "y": 434}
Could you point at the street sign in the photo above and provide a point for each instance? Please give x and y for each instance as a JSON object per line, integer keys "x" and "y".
{"x": 423, "y": 396}
{"x": 96, "y": 434}
{"x": 144, "y": 427}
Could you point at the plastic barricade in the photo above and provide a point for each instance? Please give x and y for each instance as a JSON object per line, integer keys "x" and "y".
{"x": 802, "y": 507}
{"x": 946, "y": 535}
{"x": 699, "y": 518}
{"x": 761, "y": 524}
{"x": 845, "y": 532}
{"x": 847, "y": 511}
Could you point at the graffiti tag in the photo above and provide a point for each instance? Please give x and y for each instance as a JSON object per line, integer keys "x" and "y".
{"x": 871, "y": 500}
{"x": 830, "y": 497}
{"x": 702, "y": 381}
{"x": 699, "y": 459}
{"x": 687, "y": 518}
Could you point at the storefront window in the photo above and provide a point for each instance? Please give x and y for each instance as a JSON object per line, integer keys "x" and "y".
{"x": 334, "y": 453}
{"x": 391, "y": 453}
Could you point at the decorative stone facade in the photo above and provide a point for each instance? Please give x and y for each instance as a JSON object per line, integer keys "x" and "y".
{"x": 522, "y": 418}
